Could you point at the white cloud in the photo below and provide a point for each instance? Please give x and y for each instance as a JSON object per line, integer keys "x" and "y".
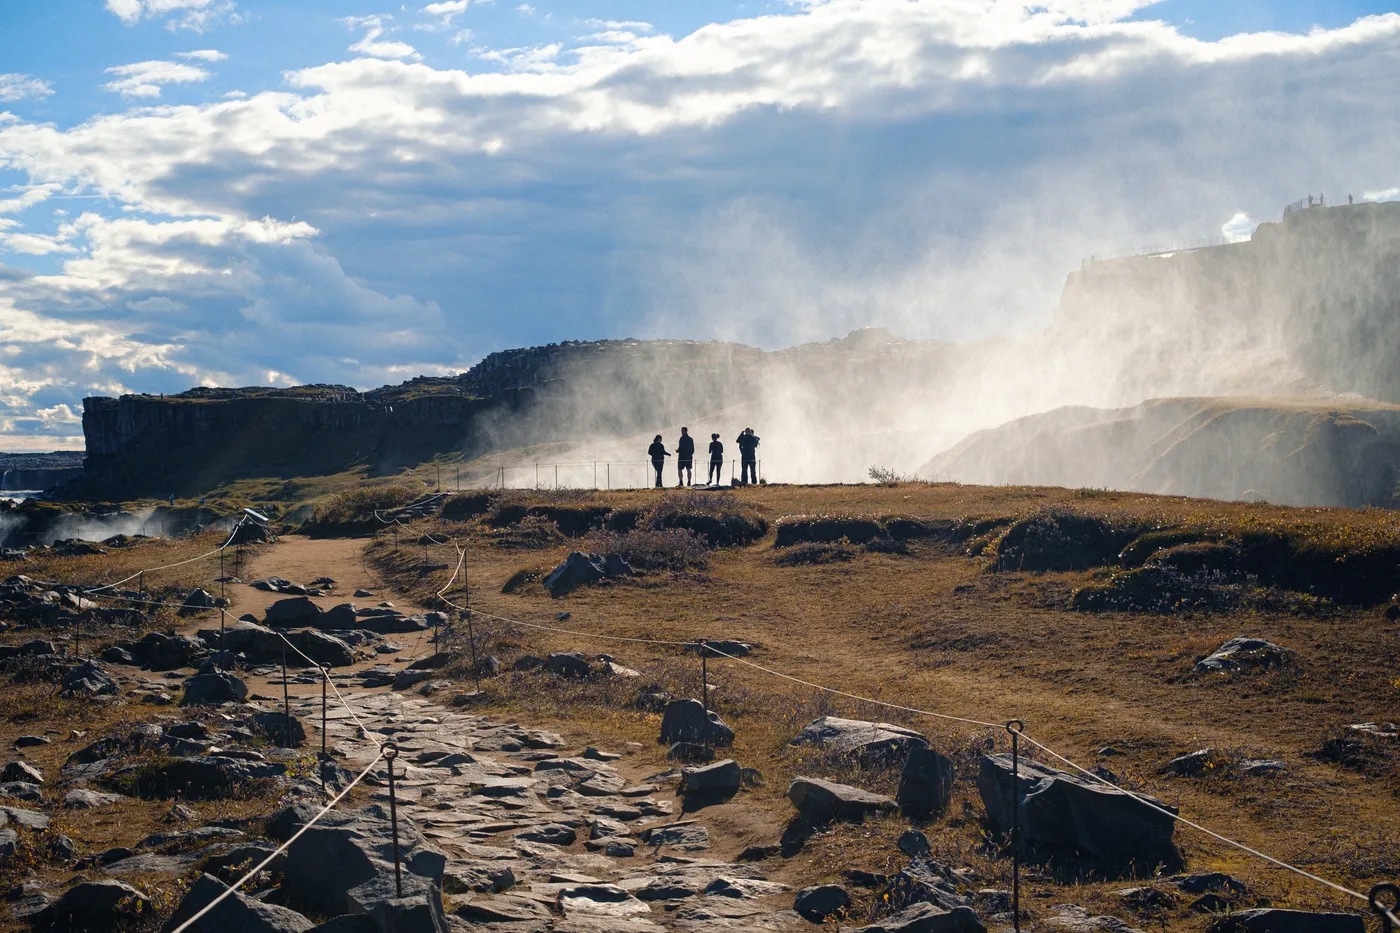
{"x": 144, "y": 79}
{"x": 29, "y": 195}
{"x": 194, "y": 15}
{"x": 445, "y": 13}
{"x": 19, "y": 86}
{"x": 204, "y": 55}
{"x": 372, "y": 45}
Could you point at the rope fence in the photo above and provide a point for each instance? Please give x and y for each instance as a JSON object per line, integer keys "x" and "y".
{"x": 1376, "y": 899}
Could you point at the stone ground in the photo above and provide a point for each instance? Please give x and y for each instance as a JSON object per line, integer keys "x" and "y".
{"x": 532, "y": 826}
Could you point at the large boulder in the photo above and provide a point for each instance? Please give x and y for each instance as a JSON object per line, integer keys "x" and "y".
{"x": 323, "y": 648}
{"x": 1246, "y": 653}
{"x": 201, "y": 777}
{"x": 1273, "y": 920}
{"x": 286, "y": 731}
{"x": 717, "y": 780}
{"x": 213, "y": 689}
{"x": 293, "y": 611}
{"x": 338, "y": 617}
{"x": 344, "y": 862}
{"x": 167, "y": 654}
{"x": 236, "y": 913}
{"x": 925, "y": 784}
{"x": 871, "y": 742}
{"x": 822, "y": 801}
{"x": 568, "y": 664}
{"x": 21, "y": 771}
{"x": 95, "y": 907}
{"x": 1061, "y": 811}
{"x": 821, "y": 901}
{"x": 88, "y": 679}
{"x": 926, "y": 918}
{"x": 198, "y": 600}
{"x": 578, "y": 569}
{"x": 923, "y": 881}
{"x": 689, "y": 721}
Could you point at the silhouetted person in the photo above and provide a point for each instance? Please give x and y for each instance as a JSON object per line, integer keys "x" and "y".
{"x": 658, "y": 453}
{"x": 685, "y": 458}
{"x": 716, "y": 461}
{"x": 748, "y": 456}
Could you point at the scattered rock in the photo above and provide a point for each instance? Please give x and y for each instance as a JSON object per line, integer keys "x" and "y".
{"x": 213, "y": 690}
{"x": 555, "y": 834}
{"x": 80, "y": 798}
{"x": 925, "y": 784}
{"x": 923, "y": 881}
{"x": 576, "y": 570}
{"x": 689, "y": 721}
{"x": 687, "y": 836}
{"x": 571, "y": 664}
{"x": 1273, "y": 920}
{"x": 88, "y": 679}
{"x": 925, "y": 918}
{"x": 21, "y": 771}
{"x": 914, "y": 844}
{"x": 1246, "y": 652}
{"x": 1072, "y": 918}
{"x": 362, "y": 594}
{"x": 1210, "y": 904}
{"x": 343, "y": 863}
{"x": 1063, "y": 811}
{"x": 821, "y": 901}
{"x": 295, "y": 611}
{"x": 1256, "y": 767}
{"x": 95, "y": 905}
{"x": 871, "y": 742}
{"x": 29, "y": 741}
{"x": 717, "y": 780}
{"x": 22, "y": 790}
{"x": 822, "y": 801}
{"x": 115, "y": 654}
{"x": 236, "y": 913}
{"x": 1193, "y": 764}
{"x": 198, "y": 600}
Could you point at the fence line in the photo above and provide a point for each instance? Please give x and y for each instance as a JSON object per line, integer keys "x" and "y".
{"x": 1164, "y": 248}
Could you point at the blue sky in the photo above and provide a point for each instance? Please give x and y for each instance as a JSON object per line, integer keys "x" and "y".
{"x": 236, "y": 192}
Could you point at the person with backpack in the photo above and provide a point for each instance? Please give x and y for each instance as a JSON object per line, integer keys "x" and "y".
{"x": 658, "y": 453}
{"x": 748, "y": 456}
{"x": 685, "y": 457}
{"x": 716, "y": 461}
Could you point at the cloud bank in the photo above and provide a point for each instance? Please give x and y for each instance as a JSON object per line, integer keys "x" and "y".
{"x": 933, "y": 166}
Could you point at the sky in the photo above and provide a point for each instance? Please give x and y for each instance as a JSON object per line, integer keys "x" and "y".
{"x": 236, "y": 192}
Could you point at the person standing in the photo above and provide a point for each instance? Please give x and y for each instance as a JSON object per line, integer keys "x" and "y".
{"x": 716, "y": 461}
{"x": 658, "y": 453}
{"x": 685, "y": 458}
{"x": 748, "y": 456}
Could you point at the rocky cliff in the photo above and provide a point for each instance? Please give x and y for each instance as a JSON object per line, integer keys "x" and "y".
{"x": 1289, "y": 453}
{"x": 39, "y": 471}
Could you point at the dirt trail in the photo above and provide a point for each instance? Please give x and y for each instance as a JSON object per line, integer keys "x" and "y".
{"x": 302, "y": 560}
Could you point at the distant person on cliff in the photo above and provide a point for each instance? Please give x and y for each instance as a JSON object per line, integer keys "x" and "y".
{"x": 716, "y": 461}
{"x": 685, "y": 458}
{"x": 658, "y": 453}
{"x": 748, "y": 456}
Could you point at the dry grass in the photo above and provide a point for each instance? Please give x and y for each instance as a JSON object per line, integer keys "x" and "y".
{"x": 939, "y": 629}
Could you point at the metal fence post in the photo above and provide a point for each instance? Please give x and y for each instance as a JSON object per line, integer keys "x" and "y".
{"x": 1015, "y": 727}
{"x": 286, "y": 700}
{"x": 325, "y": 678}
{"x": 705, "y": 674}
{"x": 471, "y": 640}
{"x": 391, "y": 751}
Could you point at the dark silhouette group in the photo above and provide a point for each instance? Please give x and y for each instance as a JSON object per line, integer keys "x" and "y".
{"x": 747, "y": 441}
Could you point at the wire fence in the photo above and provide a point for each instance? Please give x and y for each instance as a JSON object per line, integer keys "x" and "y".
{"x": 1163, "y": 249}
{"x": 1376, "y": 899}
{"x": 604, "y": 474}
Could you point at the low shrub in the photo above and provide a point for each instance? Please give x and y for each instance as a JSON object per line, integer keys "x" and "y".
{"x": 817, "y": 552}
{"x": 522, "y": 579}
{"x": 717, "y": 516}
{"x": 825, "y": 529}
{"x": 532, "y": 532}
{"x": 1144, "y": 546}
{"x": 463, "y": 508}
{"x": 653, "y": 549}
{"x": 1058, "y": 540}
{"x": 362, "y": 502}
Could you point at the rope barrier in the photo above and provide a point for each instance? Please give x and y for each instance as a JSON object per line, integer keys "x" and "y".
{"x": 108, "y": 586}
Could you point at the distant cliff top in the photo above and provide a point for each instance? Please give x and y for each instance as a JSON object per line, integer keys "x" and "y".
{"x": 54, "y": 460}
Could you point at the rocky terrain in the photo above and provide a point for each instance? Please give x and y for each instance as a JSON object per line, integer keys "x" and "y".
{"x": 39, "y": 471}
